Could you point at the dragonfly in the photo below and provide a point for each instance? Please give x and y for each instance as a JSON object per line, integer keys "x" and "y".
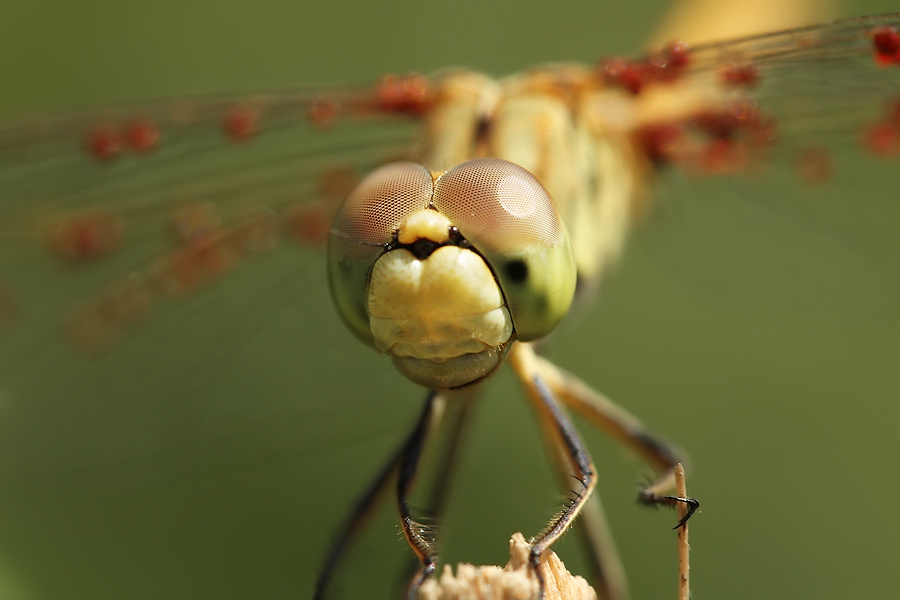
{"x": 113, "y": 317}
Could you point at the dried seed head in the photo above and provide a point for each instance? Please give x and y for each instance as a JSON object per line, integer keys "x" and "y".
{"x": 515, "y": 581}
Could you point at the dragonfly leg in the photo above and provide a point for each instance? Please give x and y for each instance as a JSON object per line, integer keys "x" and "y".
{"x": 454, "y": 425}
{"x": 356, "y": 520}
{"x": 626, "y": 428}
{"x": 418, "y": 536}
{"x": 571, "y": 449}
{"x": 608, "y": 578}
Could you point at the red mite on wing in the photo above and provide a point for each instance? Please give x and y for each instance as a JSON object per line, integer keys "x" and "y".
{"x": 886, "y": 41}
{"x": 728, "y": 107}
{"x": 741, "y": 74}
{"x": 882, "y": 138}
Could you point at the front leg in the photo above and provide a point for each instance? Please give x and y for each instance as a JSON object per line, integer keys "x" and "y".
{"x": 417, "y": 535}
{"x": 626, "y": 428}
{"x": 557, "y": 423}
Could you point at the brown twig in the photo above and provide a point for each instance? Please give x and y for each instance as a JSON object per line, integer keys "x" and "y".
{"x": 684, "y": 548}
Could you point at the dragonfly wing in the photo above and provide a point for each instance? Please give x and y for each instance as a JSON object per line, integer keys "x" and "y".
{"x": 765, "y": 281}
{"x": 159, "y": 274}
{"x": 810, "y": 115}
{"x": 714, "y": 108}
{"x": 177, "y": 193}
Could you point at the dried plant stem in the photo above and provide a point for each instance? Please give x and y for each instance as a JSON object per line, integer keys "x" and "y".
{"x": 684, "y": 548}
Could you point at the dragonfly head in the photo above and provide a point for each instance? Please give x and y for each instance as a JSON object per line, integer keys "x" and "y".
{"x": 444, "y": 271}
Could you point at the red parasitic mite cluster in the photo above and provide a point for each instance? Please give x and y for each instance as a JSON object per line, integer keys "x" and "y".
{"x": 85, "y": 236}
{"x": 106, "y": 143}
{"x": 193, "y": 265}
{"x": 206, "y": 249}
{"x": 886, "y": 42}
{"x": 883, "y": 137}
{"x": 710, "y": 141}
{"x": 142, "y": 136}
{"x": 411, "y": 94}
{"x": 211, "y": 251}
{"x": 741, "y": 119}
{"x": 664, "y": 66}
{"x": 742, "y": 75}
{"x": 197, "y": 260}
{"x": 721, "y": 156}
{"x": 241, "y": 123}
{"x": 659, "y": 141}
{"x": 670, "y": 63}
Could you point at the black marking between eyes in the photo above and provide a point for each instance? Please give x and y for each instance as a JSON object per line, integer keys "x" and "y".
{"x": 422, "y": 248}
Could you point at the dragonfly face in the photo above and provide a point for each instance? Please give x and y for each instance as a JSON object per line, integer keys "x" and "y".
{"x": 158, "y": 448}
{"x": 438, "y": 273}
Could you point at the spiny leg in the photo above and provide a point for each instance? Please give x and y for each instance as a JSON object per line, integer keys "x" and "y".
{"x": 609, "y": 578}
{"x": 356, "y": 520}
{"x": 416, "y": 534}
{"x": 522, "y": 359}
{"x": 454, "y": 426}
{"x": 626, "y": 428}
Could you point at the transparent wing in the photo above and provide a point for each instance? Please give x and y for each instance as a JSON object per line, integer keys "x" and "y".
{"x": 797, "y": 131}
{"x": 171, "y": 370}
{"x": 757, "y": 301}
{"x": 160, "y": 275}
{"x": 725, "y": 107}
{"x": 177, "y": 193}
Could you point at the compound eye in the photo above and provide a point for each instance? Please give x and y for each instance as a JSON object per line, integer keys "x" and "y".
{"x": 499, "y": 206}
{"x": 364, "y": 224}
{"x": 375, "y": 209}
{"x": 508, "y": 216}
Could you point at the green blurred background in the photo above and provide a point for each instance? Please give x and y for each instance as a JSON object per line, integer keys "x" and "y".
{"x": 212, "y": 455}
